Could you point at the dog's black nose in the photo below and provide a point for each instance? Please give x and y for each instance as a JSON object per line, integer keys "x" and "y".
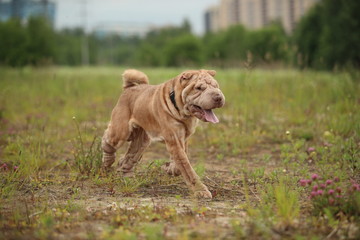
{"x": 217, "y": 98}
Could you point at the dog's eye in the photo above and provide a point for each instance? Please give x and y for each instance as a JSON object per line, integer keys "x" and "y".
{"x": 199, "y": 88}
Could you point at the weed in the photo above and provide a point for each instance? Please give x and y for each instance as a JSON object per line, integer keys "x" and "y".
{"x": 287, "y": 203}
{"x": 256, "y": 175}
{"x": 153, "y": 231}
{"x": 266, "y": 158}
{"x": 118, "y": 234}
{"x": 87, "y": 160}
{"x": 46, "y": 226}
{"x": 292, "y": 153}
{"x": 351, "y": 156}
{"x": 200, "y": 169}
{"x": 128, "y": 186}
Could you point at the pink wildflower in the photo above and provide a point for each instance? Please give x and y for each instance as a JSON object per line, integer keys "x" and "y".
{"x": 313, "y": 194}
{"x": 314, "y": 176}
{"x": 315, "y": 188}
{"x": 337, "y": 179}
{"x": 309, "y": 182}
{"x": 322, "y": 186}
{"x": 328, "y": 182}
{"x": 11, "y": 131}
{"x": 320, "y": 192}
{"x": 355, "y": 187}
{"x": 4, "y": 166}
{"x": 16, "y": 168}
{"x": 311, "y": 149}
{"x": 331, "y": 201}
{"x": 331, "y": 191}
{"x": 338, "y": 190}
{"x": 303, "y": 182}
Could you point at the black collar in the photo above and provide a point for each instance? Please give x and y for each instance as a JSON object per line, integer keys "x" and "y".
{"x": 172, "y": 98}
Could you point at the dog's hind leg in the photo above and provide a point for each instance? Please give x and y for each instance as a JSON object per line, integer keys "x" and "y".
{"x": 139, "y": 142}
{"x": 115, "y": 136}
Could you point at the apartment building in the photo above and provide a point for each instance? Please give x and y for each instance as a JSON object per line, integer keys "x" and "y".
{"x": 23, "y": 9}
{"x": 255, "y": 14}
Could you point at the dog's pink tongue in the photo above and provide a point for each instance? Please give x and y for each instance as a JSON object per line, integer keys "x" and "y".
{"x": 210, "y": 116}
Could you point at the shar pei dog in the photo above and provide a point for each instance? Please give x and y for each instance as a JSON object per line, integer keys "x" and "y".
{"x": 168, "y": 112}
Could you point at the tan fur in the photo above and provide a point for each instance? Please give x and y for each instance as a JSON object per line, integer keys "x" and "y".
{"x": 145, "y": 112}
{"x": 132, "y": 77}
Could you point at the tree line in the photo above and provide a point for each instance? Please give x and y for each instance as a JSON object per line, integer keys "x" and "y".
{"x": 327, "y": 37}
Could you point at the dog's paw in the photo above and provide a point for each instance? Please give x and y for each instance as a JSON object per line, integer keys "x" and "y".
{"x": 125, "y": 172}
{"x": 171, "y": 169}
{"x": 206, "y": 194}
{"x": 105, "y": 169}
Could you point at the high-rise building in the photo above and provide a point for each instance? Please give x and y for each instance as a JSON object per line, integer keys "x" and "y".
{"x": 255, "y": 14}
{"x": 23, "y": 9}
{"x": 212, "y": 19}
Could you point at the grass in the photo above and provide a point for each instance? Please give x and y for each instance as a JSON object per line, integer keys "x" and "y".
{"x": 277, "y": 128}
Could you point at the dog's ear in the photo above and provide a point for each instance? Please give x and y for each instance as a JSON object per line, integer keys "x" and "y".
{"x": 187, "y": 75}
{"x": 211, "y": 72}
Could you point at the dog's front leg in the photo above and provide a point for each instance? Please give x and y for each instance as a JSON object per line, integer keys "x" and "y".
{"x": 176, "y": 148}
{"x": 171, "y": 168}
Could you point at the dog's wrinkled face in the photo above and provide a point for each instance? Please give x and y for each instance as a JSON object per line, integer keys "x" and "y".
{"x": 201, "y": 94}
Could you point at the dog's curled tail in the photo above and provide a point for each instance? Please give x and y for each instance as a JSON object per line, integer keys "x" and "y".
{"x": 133, "y": 77}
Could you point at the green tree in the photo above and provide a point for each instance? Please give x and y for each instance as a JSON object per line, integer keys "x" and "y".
{"x": 226, "y": 46}
{"x": 268, "y": 44}
{"x": 148, "y": 55}
{"x": 236, "y": 42}
{"x": 184, "y": 51}
{"x": 306, "y": 38}
{"x": 41, "y": 44}
{"x": 340, "y": 36}
{"x": 68, "y": 47}
{"x": 13, "y": 42}
{"x": 215, "y": 49}
{"x": 328, "y": 36}
{"x": 157, "y": 48}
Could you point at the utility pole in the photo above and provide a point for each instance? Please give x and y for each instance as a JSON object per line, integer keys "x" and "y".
{"x": 85, "y": 42}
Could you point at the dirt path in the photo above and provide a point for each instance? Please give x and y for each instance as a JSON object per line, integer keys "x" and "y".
{"x": 85, "y": 208}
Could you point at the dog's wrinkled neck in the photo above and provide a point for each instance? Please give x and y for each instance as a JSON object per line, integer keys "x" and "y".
{"x": 172, "y": 98}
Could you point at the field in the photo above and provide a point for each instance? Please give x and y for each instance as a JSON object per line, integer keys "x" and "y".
{"x": 282, "y": 163}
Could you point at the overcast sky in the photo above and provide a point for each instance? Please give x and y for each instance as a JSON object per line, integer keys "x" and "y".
{"x": 70, "y": 13}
